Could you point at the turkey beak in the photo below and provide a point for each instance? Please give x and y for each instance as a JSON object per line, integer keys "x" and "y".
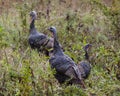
{"x": 49, "y": 28}
{"x": 90, "y": 46}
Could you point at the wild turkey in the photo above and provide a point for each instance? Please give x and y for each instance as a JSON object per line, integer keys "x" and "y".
{"x": 84, "y": 66}
{"x": 65, "y": 67}
{"x": 36, "y": 39}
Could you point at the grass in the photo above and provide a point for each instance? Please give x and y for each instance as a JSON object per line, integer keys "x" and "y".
{"x": 25, "y": 73}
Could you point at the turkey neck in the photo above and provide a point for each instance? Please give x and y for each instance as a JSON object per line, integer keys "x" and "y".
{"x": 57, "y": 48}
{"x": 86, "y": 55}
{"x": 32, "y": 25}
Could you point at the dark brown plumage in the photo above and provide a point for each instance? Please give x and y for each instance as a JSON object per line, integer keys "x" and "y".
{"x": 65, "y": 67}
{"x": 84, "y": 65}
{"x": 38, "y": 40}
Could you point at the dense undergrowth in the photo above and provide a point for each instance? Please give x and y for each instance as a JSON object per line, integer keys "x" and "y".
{"x": 23, "y": 72}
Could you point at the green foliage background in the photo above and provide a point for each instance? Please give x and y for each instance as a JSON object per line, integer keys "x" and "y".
{"x": 24, "y": 73}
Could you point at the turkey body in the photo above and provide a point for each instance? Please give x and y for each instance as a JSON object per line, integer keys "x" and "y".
{"x": 85, "y": 66}
{"x": 65, "y": 67}
{"x": 38, "y": 40}
{"x": 61, "y": 63}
